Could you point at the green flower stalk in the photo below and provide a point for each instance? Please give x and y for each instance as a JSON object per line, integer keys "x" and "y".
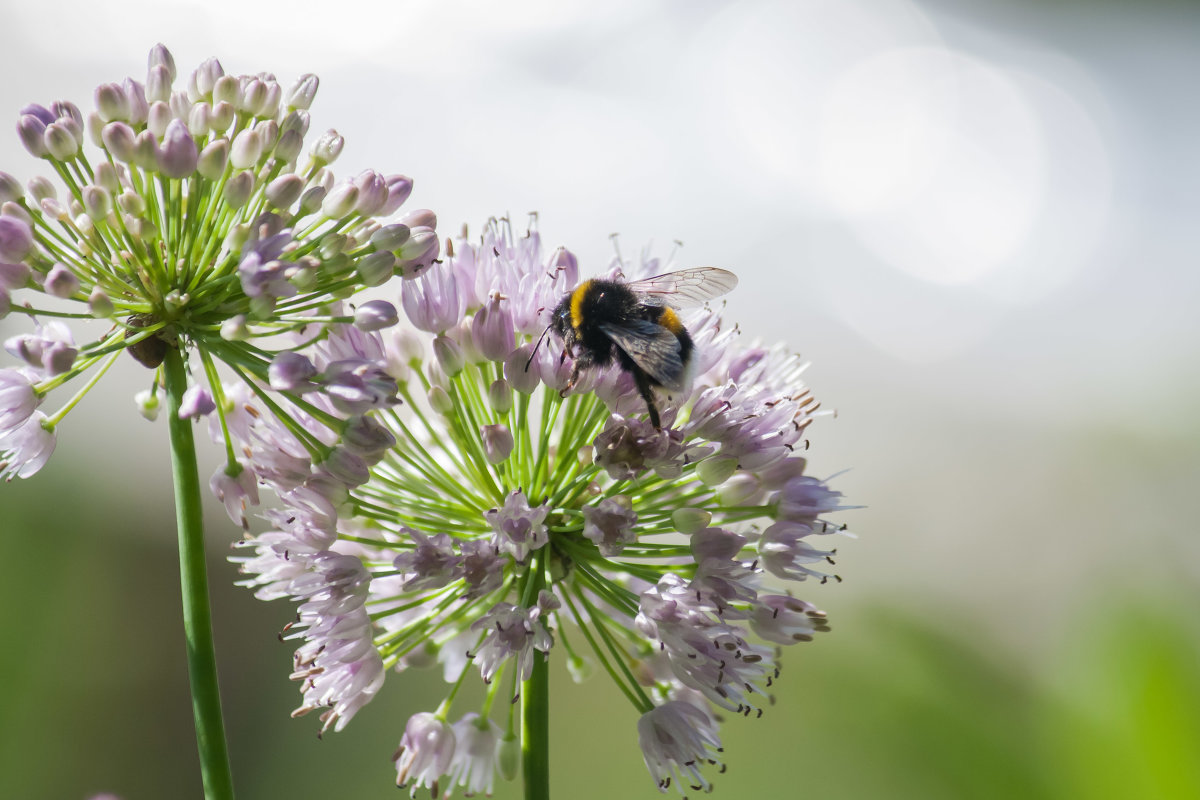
{"x": 188, "y": 224}
{"x": 510, "y": 512}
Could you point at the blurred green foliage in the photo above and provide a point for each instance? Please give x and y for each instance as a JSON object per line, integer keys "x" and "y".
{"x": 894, "y": 703}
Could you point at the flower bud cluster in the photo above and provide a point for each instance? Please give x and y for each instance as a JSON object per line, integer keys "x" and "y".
{"x": 503, "y": 512}
{"x": 188, "y": 214}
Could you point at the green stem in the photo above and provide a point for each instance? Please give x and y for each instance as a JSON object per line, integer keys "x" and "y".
{"x": 535, "y": 716}
{"x": 197, "y": 622}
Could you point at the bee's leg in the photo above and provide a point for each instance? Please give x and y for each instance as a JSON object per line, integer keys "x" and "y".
{"x": 571, "y": 381}
{"x": 643, "y": 387}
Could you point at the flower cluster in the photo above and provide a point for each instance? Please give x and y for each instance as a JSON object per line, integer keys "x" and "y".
{"x": 200, "y": 222}
{"x": 500, "y": 511}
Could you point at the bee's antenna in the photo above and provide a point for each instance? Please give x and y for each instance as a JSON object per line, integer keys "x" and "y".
{"x": 536, "y": 346}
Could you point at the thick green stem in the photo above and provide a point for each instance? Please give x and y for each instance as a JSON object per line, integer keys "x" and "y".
{"x": 535, "y": 729}
{"x": 197, "y": 621}
{"x": 535, "y": 712}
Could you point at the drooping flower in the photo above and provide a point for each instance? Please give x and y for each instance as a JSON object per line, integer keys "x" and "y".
{"x": 507, "y": 515}
{"x": 188, "y": 214}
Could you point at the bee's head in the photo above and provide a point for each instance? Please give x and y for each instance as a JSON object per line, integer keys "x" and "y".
{"x": 560, "y": 321}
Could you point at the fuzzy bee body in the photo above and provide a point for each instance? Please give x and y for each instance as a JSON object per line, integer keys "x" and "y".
{"x": 634, "y": 324}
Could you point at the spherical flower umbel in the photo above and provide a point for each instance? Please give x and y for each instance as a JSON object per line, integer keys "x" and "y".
{"x": 507, "y": 515}
{"x": 187, "y": 215}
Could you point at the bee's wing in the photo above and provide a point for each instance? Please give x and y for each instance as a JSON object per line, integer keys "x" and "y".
{"x": 652, "y": 347}
{"x": 685, "y": 288}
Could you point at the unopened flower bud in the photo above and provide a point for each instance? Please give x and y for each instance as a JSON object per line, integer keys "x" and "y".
{"x": 234, "y": 329}
{"x": 326, "y": 149}
{"x": 372, "y": 192}
{"x": 340, "y": 202}
{"x": 213, "y": 158}
{"x": 106, "y": 176}
{"x": 131, "y": 203}
{"x": 97, "y": 202}
{"x": 367, "y": 437}
{"x": 40, "y": 187}
{"x": 197, "y": 119}
{"x": 159, "y": 117}
{"x": 119, "y": 140}
{"x": 291, "y": 371}
{"x": 196, "y": 402}
{"x": 347, "y": 467}
{"x": 439, "y": 401}
{"x": 296, "y": 120}
{"x": 497, "y": 442}
{"x": 238, "y": 189}
{"x": 204, "y": 78}
{"x": 311, "y": 200}
{"x": 61, "y": 282}
{"x": 332, "y": 245}
{"x": 148, "y": 404}
{"x": 142, "y": 228}
{"x": 112, "y": 103}
{"x": 521, "y": 375}
{"x": 420, "y": 218}
{"x": 158, "y": 84}
{"x": 58, "y": 358}
{"x": 95, "y": 127}
{"x": 375, "y": 315}
{"x": 284, "y": 190}
{"x": 178, "y": 104}
{"x": 32, "y": 131}
{"x": 145, "y": 151}
{"x": 60, "y": 142}
{"x": 41, "y": 112}
{"x": 139, "y": 107}
{"x": 221, "y": 117}
{"x": 247, "y": 149}
{"x": 268, "y": 132}
{"x": 741, "y": 489}
{"x": 289, "y": 146}
{"x": 303, "y": 91}
{"x": 16, "y": 239}
{"x": 270, "y": 106}
{"x": 54, "y": 209}
{"x": 690, "y": 520}
{"x": 160, "y": 56}
{"x": 178, "y": 155}
{"x": 399, "y": 188}
{"x": 389, "y": 237}
{"x": 500, "y": 396}
{"x": 99, "y": 304}
{"x": 376, "y": 268}
{"x": 448, "y": 354}
{"x": 15, "y": 211}
{"x": 715, "y": 471}
{"x": 65, "y": 109}
{"x": 10, "y": 189}
{"x": 227, "y": 89}
{"x": 252, "y": 96}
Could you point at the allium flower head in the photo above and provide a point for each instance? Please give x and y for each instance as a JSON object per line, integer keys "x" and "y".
{"x": 505, "y": 515}
{"x": 186, "y": 212}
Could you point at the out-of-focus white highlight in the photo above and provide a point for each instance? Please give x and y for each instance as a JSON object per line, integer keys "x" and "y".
{"x": 773, "y": 64}
{"x": 935, "y": 160}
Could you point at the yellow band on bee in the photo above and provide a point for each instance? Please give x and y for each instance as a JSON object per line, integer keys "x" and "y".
{"x": 670, "y": 320}
{"x": 577, "y": 304}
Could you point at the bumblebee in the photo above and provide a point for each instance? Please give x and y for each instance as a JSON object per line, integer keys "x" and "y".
{"x": 635, "y": 324}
